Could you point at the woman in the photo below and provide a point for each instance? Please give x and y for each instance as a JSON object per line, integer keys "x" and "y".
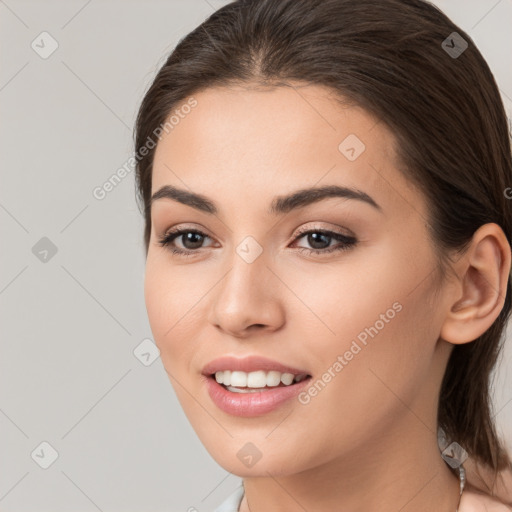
{"x": 328, "y": 253}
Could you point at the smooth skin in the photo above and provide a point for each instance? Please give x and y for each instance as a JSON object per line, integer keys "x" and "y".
{"x": 368, "y": 440}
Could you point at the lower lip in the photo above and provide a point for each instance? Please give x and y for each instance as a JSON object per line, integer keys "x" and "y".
{"x": 252, "y": 404}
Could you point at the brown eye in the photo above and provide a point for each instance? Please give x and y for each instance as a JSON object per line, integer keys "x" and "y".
{"x": 320, "y": 240}
{"x": 191, "y": 240}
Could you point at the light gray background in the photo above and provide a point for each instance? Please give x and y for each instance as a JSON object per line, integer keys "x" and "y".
{"x": 70, "y": 325}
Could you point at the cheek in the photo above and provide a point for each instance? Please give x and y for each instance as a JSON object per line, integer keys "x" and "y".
{"x": 169, "y": 311}
{"x": 373, "y": 315}
{"x": 366, "y": 374}
{"x": 156, "y": 296}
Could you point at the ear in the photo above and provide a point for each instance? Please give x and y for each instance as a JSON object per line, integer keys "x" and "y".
{"x": 480, "y": 290}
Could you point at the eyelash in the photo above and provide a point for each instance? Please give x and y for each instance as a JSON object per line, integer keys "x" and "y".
{"x": 347, "y": 242}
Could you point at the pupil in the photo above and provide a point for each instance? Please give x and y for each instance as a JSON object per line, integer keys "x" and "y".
{"x": 189, "y": 237}
{"x": 314, "y": 237}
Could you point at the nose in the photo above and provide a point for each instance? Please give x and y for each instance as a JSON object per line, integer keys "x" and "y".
{"x": 247, "y": 299}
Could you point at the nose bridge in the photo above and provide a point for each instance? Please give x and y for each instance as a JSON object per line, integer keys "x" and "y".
{"x": 247, "y": 294}
{"x": 245, "y": 282}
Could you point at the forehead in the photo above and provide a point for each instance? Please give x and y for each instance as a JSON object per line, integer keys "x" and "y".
{"x": 259, "y": 142}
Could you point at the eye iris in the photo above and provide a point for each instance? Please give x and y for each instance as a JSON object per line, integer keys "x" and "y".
{"x": 189, "y": 237}
{"x": 313, "y": 240}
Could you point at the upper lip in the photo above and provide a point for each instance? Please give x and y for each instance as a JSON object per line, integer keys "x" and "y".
{"x": 249, "y": 364}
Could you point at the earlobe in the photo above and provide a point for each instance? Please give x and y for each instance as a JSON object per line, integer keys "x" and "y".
{"x": 479, "y": 295}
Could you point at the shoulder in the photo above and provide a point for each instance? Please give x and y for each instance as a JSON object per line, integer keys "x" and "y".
{"x": 475, "y": 501}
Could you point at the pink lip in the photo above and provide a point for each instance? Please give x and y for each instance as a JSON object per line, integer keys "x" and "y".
{"x": 252, "y": 404}
{"x": 248, "y": 364}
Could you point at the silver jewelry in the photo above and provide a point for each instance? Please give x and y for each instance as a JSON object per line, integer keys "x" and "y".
{"x": 454, "y": 455}
{"x": 462, "y": 479}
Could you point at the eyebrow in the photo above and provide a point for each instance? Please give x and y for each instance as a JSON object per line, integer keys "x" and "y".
{"x": 280, "y": 204}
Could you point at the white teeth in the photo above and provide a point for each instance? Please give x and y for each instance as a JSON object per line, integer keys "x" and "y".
{"x": 256, "y": 379}
{"x": 273, "y": 378}
{"x": 287, "y": 378}
{"x": 239, "y": 379}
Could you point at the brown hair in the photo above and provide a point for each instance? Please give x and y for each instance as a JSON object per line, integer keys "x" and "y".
{"x": 392, "y": 58}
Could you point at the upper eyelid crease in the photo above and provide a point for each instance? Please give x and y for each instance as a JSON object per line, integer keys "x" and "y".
{"x": 280, "y": 204}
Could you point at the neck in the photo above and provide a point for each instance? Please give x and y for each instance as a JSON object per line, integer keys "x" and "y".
{"x": 388, "y": 476}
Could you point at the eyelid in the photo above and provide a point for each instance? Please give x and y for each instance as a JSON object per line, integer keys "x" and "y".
{"x": 306, "y": 228}
{"x": 183, "y": 227}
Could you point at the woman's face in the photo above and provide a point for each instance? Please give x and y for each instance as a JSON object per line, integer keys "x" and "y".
{"x": 360, "y": 321}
